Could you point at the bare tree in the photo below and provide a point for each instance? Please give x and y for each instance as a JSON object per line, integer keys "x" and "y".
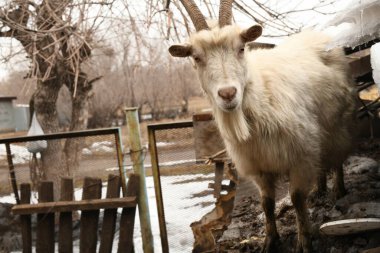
{"x": 56, "y": 37}
{"x": 279, "y": 18}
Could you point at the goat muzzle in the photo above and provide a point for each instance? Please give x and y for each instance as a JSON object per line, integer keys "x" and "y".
{"x": 227, "y": 94}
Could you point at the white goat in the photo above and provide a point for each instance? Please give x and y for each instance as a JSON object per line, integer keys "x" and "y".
{"x": 287, "y": 110}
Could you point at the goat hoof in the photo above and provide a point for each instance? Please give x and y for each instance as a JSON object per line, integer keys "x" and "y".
{"x": 304, "y": 246}
{"x": 270, "y": 244}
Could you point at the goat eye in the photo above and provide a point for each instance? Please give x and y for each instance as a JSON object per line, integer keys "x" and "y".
{"x": 241, "y": 50}
{"x": 196, "y": 58}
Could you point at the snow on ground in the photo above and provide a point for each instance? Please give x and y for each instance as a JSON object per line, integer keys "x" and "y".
{"x": 181, "y": 209}
{"x": 103, "y": 146}
{"x": 20, "y": 154}
{"x": 147, "y": 164}
{"x": 161, "y": 144}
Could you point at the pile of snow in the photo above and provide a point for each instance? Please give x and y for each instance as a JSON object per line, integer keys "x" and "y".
{"x": 99, "y": 147}
{"x": 355, "y": 25}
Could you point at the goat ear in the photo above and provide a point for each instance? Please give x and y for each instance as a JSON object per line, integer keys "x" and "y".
{"x": 251, "y": 33}
{"x": 180, "y": 50}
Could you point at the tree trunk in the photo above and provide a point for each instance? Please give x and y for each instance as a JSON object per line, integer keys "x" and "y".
{"x": 79, "y": 119}
{"x": 45, "y": 99}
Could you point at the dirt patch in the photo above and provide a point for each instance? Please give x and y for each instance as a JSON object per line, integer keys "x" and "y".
{"x": 246, "y": 233}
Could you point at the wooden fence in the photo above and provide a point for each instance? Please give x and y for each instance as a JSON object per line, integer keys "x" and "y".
{"x": 89, "y": 206}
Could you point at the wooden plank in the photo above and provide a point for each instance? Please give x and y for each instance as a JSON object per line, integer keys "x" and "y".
{"x": 65, "y": 237}
{"x": 45, "y": 222}
{"x": 69, "y": 206}
{"x": 110, "y": 215}
{"x": 92, "y": 189}
{"x": 26, "y": 227}
{"x": 127, "y": 221}
{"x": 350, "y": 226}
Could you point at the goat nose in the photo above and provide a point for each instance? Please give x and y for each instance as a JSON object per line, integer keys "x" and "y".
{"x": 227, "y": 93}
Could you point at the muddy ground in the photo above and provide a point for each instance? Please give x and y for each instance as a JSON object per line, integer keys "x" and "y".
{"x": 362, "y": 177}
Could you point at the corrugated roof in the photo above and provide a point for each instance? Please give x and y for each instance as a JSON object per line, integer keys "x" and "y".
{"x": 4, "y": 98}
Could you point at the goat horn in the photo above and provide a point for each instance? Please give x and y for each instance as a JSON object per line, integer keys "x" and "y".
{"x": 225, "y": 12}
{"x": 195, "y": 14}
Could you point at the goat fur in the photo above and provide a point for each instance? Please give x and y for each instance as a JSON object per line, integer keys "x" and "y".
{"x": 297, "y": 106}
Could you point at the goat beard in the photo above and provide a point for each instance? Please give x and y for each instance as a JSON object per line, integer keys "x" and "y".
{"x": 233, "y": 126}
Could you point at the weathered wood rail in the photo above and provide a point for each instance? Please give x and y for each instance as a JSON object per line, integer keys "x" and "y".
{"x": 89, "y": 206}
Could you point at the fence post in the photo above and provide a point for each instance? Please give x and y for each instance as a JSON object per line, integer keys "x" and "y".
{"x": 138, "y": 167}
{"x": 158, "y": 189}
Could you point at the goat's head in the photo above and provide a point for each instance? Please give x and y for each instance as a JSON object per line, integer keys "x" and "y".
{"x": 218, "y": 54}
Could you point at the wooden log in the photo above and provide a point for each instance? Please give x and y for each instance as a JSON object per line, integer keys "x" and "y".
{"x": 45, "y": 222}
{"x": 65, "y": 239}
{"x": 92, "y": 189}
{"x": 219, "y": 167}
{"x": 69, "y": 206}
{"x": 127, "y": 221}
{"x": 110, "y": 215}
{"x": 26, "y": 227}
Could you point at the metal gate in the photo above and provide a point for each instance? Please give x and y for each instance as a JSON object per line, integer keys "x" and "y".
{"x": 178, "y": 181}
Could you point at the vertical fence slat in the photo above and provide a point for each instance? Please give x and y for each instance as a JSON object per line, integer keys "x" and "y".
{"x": 92, "y": 189}
{"x": 110, "y": 215}
{"x": 26, "y": 227}
{"x": 127, "y": 221}
{"x": 12, "y": 172}
{"x": 45, "y": 222}
{"x": 65, "y": 238}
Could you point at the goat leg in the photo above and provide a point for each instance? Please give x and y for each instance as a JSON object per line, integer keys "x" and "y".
{"x": 267, "y": 185}
{"x": 322, "y": 183}
{"x": 299, "y": 201}
{"x": 272, "y": 237}
{"x": 339, "y": 188}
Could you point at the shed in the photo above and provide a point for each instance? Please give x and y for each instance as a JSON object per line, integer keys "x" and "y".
{"x": 7, "y": 120}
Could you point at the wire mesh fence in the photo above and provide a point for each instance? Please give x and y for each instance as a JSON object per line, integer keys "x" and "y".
{"x": 184, "y": 183}
{"x": 92, "y": 153}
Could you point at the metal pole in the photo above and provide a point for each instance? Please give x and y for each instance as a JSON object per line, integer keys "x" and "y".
{"x": 158, "y": 190}
{"x": 138, "y": 167}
